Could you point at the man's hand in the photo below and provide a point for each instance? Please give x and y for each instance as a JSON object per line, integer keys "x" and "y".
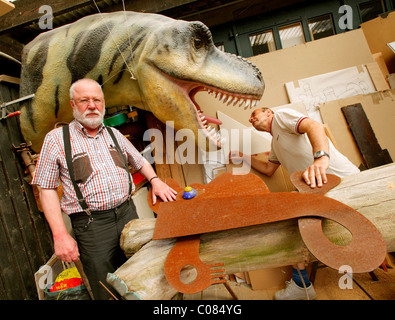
{"x": 162, "y": 190}
{"x": 315, "y": 175}
{"x": 66, "y": 248}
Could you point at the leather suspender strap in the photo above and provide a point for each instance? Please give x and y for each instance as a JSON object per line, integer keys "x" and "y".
{"x": 67, "y": 150}
{"x": 125, "y": 160}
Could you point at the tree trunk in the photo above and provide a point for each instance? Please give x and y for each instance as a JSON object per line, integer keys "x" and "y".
{"x": 371, "y": 192}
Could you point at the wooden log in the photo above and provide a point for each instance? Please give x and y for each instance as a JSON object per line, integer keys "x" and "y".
{"x": 370, "y": 192}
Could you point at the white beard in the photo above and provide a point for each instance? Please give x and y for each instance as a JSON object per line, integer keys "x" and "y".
{"x": 91, "y": 123}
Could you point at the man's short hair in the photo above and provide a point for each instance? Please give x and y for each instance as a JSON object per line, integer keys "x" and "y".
{"x": 266, "y": 108}
{"x": 82, "y": 80}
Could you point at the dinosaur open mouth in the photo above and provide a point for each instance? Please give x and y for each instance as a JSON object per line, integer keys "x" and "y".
{"x": 190, "y": 89}
{"x": 245, "y": 101}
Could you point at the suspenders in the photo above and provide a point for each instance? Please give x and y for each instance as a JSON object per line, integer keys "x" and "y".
{"x": 67, "y": 147}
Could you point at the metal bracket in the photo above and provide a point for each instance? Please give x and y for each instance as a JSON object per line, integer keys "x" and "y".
{"x": 4, "y": 112}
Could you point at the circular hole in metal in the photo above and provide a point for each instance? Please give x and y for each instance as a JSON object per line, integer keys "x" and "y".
{"x": 188, "y": 274}
{"x": 336, "y": 233}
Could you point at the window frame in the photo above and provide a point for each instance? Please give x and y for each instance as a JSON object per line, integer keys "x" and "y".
{"x": 271, "y": 30}
{"x": 317, "y": 17}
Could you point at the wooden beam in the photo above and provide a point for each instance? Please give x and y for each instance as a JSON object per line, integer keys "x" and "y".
{"x": 9, "y": 79}
{"x": 27, "y": 12}
{"x": 370, "y": 192}
{"x": 152, "y": 6}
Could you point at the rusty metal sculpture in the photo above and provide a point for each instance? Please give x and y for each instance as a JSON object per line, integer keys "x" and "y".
{"x": 234, "y": 201}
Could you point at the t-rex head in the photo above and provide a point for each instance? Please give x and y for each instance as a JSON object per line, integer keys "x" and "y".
{"x": 180, "y": 60}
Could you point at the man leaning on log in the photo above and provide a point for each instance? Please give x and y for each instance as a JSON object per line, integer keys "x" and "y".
{"x": 299, "y": 144}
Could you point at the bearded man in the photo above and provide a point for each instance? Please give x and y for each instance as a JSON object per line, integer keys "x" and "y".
{"x": 91, "y": 162}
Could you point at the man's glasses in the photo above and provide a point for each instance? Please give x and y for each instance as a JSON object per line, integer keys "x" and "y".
{"x": 84, "y": 102}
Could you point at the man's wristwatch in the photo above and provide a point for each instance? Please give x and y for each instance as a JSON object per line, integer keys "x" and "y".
{"x": 320, "y": 154}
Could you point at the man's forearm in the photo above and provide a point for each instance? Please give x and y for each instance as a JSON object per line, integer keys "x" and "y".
{"x": 147, "y": 171}
{"x": 267, "y": 168}
{"x": 51, "y": 207}
{"x": 316, "y": 134}
{"x": 315, "y": 174}
{"x": 65, "y": 246}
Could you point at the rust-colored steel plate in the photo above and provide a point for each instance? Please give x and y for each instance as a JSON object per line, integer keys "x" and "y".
{"x": 186, "y": 252}
{"x": 234, "y": 201}
{"x": 311, "y": 231}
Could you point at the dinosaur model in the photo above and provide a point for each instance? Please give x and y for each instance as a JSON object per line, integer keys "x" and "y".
{"x": 145, "y": 60}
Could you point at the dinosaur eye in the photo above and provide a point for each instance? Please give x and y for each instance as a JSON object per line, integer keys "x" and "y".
{"x": 197, "y": 43}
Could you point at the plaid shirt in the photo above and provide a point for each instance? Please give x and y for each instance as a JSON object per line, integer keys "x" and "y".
{"x": 99, "y": 169}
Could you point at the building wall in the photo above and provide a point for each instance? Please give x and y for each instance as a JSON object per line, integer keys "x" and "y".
{"x": 25, "y": 237}
{"x": 235, "y": 37}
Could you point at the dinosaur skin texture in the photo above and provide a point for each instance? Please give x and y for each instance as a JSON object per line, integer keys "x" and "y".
{"x": 148, "y": 61}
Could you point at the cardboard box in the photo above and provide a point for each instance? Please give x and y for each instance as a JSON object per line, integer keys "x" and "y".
{"x": 339, "y": 84}
{"x": 377, "y": 76}
{"x": 140, "y": 201}
{"x": 391, "y": 80}
{"x": 378, "y": 57}
{"x": 330, "y": 86}
{"x": 378, "y": 32}
{"x": 270, "y": 278}
{"x": 380, "y": 110}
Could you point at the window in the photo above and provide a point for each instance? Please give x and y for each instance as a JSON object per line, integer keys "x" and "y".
{"x": 262, "y": 42}
{"x": 291, "y": 35}
{"x": 370, "y": 9}
{"x": 321, "y": 27}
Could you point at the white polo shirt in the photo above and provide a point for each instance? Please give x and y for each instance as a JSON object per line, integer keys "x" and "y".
{"x": 293, "y": 150}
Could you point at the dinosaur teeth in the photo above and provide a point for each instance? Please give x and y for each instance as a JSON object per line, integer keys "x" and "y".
{"x": 212, "y": 133}
{"x": 229, "y": 99}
